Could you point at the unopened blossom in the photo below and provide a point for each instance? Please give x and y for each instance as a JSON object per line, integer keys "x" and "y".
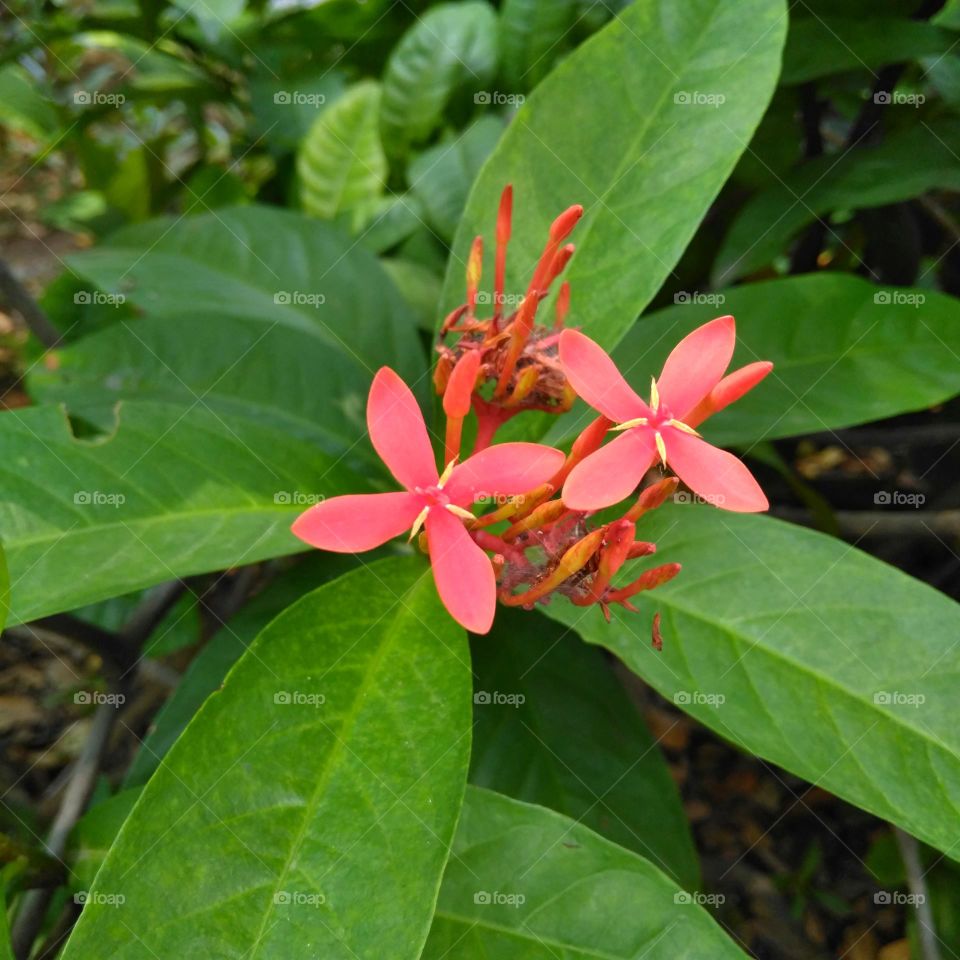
{"x": 436, "y": 502}
{"x": 690, "y": 387}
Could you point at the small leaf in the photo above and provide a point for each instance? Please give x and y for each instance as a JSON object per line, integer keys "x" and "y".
{"x": 340, "y": 163}
{"x": 524, "y": 881}
{"x": 451, "y": 49}
{"x": 309, "y": 808}
{"x": 532, "y": 39}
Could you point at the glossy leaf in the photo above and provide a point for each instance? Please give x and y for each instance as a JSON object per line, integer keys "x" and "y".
{"x": 314, "y": 798}
{"x": 341, "y": 165}
{"x": 621, "y": 145}
{"x": 525, "y": 882}
{"x": 553, "y": 726}
{"x": 170, "y": 492}
{"x": 806, "y": 652}
{"x": 921, "y": 158}
{"x": 844, "y": 352}
{"x": 451, "y": 49}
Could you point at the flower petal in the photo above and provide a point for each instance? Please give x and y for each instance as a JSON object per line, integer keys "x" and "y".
{"x": 507, "y": 468}
{"x": 595, "y": 378}
{"x": 462, "y": 571}
{"x": 398, "y": 432}
{"x": 716, "y": 475}
{"x": 612, "y": 473}
{"x": 357, "y": 522}
{"x": 695, "y": 365}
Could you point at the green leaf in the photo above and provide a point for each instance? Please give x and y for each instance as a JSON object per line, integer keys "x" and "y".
{"x": 532, "y": 38}
{"x": 281, "y": 298}
{"x": 526, "y": 882}
{"x": 313, "y": 799}
{"x": 819, "y": 46}
{"x": 806, "y": 652}
{"x": 340, "y": 163}
{"x": 23, "y": 106}
{"x": 441, "y": 177}
{"x": 207, "y": 670}
{"x": 93, "y": 836}
{"x": 419, "y": 286}
{"x": 906, "y": 165}
{"x": 451, "y": 49}
{"x": 169, "y": 493}
{"x": 844, "y": 352}
{"x": 612, "y": 127}
{"x": 553, "y": 726}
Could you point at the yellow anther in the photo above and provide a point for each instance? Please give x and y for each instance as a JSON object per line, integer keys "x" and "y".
{"x": 661, "y": 448}
{"x": 636, "y": 422}
{"x": 447, "y": 470}
{"x": 460, "y": 512}
{"x": 680, "y": 425}
{"x": 654, "y": 395}
{"x": 418, "y": 523}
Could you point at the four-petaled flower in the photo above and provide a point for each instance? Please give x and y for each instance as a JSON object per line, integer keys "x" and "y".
{"x": 463, "y": 573}
{"x": 664, "y": 428}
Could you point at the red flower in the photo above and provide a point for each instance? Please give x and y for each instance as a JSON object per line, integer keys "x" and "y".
{"x": 463, "y": 572}
{"x": 688, "y": 389}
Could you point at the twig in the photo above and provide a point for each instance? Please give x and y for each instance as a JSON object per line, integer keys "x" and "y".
{"x": 16, "y": 295}
{"x": 897, "y": 523}
{"x": 917, "y": 882}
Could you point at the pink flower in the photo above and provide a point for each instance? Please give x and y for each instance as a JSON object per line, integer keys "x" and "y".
{"x": 689, "y": 388}
{"x": 463, "y": 572}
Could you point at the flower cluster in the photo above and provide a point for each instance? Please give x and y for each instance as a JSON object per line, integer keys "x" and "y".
{"x": 515, "y": 522}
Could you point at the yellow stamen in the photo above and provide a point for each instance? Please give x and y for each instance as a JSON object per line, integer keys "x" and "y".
{"x": 680, "y": 425}
{"x": 418, "y": 523}
{"x": 447, "y": 470}
{"x": 661, "y": 448}
{"x": 636, "y": 422}
{"x": 460, "y": 512}
{"x": 654, "y": 395}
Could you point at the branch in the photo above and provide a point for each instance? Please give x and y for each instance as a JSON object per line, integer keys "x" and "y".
{"x": 16, "y": 295}
{"x": 917, "y": 883}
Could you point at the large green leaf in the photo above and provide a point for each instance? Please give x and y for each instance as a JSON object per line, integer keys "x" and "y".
{"x": 806, "y": 652}
{"x": 452, "y": 48}
{"x": 207, "y": 670}
{"x": 632, "y": 126}
{"x": 309, "y": 808}
{"x": 532, "y": 35}
{"x": 170, "y": 492}
{"x": 340, "y": 162}
{"x": 295, "y": 321}
{"x": 553, "y": 726}
{"x": 921, "y": 158}
{"x": 265, "y": 265}
{"x": 844, "y": 352}
{"x": 818, "y": 46}
{"x": 525, "y": 882}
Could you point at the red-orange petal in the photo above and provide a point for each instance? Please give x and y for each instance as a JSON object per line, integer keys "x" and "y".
{"x": 695, "y": 365}
{"x": 357, "y": 522}
{"x": 506, "y": 468}
{"x": 595, "y": 377}
{"x": 612, "y": 473}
